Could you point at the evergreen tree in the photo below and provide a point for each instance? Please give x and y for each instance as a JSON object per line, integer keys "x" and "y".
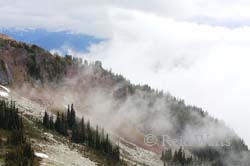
{"x": 11, "y": 120}
{"x": 51, "y": 123}
{"x": 97, "y": 139}
{"x": 68, "y": 115}
{"x": 102, "y": 140}
{"x": 72, "y": 116}
{"x": 58, "y": 122}
{"x": 90, "y": 140}
{"x": 175, "y": 158}
{"x": 46, "y": 120}
{"x": 106, "y": 144}
{"x": 83, "y": 132}
{"x": 75, "y": 134}
{"x": 179, "y": 157}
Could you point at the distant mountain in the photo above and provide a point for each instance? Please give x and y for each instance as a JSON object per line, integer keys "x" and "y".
{"x": 57, "y": 40}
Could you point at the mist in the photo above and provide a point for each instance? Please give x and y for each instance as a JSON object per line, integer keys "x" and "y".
{"x": 126, "y": 110}
{"x": 206, "y": 66}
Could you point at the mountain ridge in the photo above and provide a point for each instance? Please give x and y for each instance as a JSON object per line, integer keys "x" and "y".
{"x": 52, "y": 80}
{"x": 5, "y": 37}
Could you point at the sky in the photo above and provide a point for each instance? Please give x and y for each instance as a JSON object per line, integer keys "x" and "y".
{"x": 55, "y": 41}
{"x": 195, "y": 49}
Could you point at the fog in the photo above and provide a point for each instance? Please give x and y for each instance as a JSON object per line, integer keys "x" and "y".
{"x": 103, "y": 101}
{"x": 206, "y": 66}
{"x": 197, "y": 50}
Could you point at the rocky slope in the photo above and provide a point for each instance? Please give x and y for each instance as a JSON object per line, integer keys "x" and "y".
{"x": 55, "y": 150}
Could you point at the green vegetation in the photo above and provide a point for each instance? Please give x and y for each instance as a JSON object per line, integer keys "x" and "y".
{"x": 82, "y": 133}
{"x": 33, "y": 68}
{"x": 17, "y": 148}
{"x": 2, "y": 43}
{"x": 214, "y": 156}
{"x": 178, "y": 158}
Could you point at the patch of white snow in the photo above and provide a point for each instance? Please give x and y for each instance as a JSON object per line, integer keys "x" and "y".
{"x": 41, "y": 155}
{"x": 4, "y": 92}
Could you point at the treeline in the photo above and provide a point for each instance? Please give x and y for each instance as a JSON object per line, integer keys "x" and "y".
{"x": 222, "y": 156}
{"x": 207, "y": 153}
{"x": 200, "y": 156}
{"x": 19, "y": 149}
{"x": 177, "y": 158}
{"x": 81, "y": 132}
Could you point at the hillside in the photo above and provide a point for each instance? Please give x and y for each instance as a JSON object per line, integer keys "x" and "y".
{"x": 127, "y": 111}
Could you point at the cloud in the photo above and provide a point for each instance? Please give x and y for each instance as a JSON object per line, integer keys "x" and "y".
{"x": 167, "y": 44}
{"x": 93, "y": 17}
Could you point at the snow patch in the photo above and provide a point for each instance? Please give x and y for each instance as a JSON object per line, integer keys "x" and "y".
{"x": 4, "y": 92}
{"x": 6, "y": 89}
{"x": 41, "y": 155}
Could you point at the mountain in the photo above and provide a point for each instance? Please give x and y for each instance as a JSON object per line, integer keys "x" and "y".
{"x": 131, "y": 113}
{"x": 58, "y": 40}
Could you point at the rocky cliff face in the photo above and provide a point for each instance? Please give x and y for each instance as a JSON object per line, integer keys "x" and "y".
{"x": 5, "y": 76}
{"x": 20, "y": 62}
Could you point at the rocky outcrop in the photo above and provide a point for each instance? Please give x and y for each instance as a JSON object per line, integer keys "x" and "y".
{"x": 5, "y": 77}
{"x": 5, "y": 37}
{"x": 23, "y": 63}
